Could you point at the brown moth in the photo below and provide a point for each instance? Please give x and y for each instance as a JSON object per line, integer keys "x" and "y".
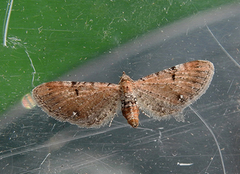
{"x": 94, "y": 104}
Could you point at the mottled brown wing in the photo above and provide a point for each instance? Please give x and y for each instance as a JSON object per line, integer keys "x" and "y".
{"x": 86, "y": 104}
{"x": 169, "y": 91}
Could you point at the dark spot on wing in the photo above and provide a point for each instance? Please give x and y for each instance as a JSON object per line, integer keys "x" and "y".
{"x": 76, "y": 91}
{"x": 172, "y": 68}
{"x": 74, "y": 83}
{"x": 173, "y": 77}
{"x": 157, "y": 73}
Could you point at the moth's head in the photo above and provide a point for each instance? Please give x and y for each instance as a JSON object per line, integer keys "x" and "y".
{"x": 125, "y": 78}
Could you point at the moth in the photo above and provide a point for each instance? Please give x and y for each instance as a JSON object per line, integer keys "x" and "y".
{"x": 94, "y": 104}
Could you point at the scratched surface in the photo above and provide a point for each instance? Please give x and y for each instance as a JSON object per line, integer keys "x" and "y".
{"x": 207, "y": 142}
{"x": 40, "y": 48}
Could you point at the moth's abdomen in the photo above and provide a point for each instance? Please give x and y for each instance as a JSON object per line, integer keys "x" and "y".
{"x": 130, "y": 109}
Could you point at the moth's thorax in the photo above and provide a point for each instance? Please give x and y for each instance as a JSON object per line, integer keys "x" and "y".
{"x": 130, "y": 109}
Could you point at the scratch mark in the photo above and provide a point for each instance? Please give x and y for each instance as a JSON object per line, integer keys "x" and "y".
{"x": 224, "y": 50}
{"x": 211, "y": 160}
{"x": 230, "y": 86}
{"x": 53, "y": 127}
{"x": 34, "y": 70}
{"x": 18, "y": 42}
{"x": 184, "y": 164}
{"x": 44, "y": 159}
{"x": 214, "y": 137}
{"x": 6, "y": 22}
